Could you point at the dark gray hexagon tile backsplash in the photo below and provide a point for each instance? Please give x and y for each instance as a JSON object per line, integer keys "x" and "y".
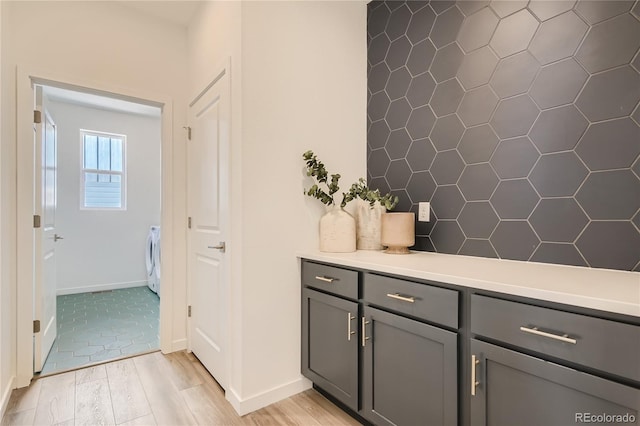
{"x": 518, "y": 120}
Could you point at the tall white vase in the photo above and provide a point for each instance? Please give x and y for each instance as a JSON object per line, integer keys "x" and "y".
{"x": 337, "y": 231}
{"x": 368, "y": 225}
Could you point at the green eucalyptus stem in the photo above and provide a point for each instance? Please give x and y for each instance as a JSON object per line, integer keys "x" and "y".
{"x": 316, "y": 169}
{"x": 362, "y": 191}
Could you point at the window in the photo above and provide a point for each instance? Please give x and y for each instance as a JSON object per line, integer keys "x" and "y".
{"x": 103, "y": 171}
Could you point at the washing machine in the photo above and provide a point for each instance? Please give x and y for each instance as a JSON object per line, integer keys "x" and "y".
{"x": 152, "y": 237}
{"x": 157, "y": 264}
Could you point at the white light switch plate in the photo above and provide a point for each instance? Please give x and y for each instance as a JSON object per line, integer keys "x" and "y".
{"x": 424, "y": 211}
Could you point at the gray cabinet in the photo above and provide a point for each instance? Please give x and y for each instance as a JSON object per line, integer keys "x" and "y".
{"x": 330, "y": 344}
{"x": 512, "y": 388}
{"x": 409, "y": 371}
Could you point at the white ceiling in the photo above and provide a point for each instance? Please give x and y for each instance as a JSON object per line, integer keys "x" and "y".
{"x": 175, "y": 11}
{"x": 100, "y": 102}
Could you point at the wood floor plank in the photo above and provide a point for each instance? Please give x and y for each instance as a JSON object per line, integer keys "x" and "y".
{"x": 180, "y": 370}
{"x": 147, "y": 420}
{"x": 207, "y": 407}
{"x": 127, "y": 394}
{"x": 167, "y": 405}
{"x": 93, "y": 403}
{"x": 19, "y": 418}
{"x": 57, "y": 399}
{"x": 323, "y": 410}
{"x": 24, "y": 398}
{"x": 91, "y": 373}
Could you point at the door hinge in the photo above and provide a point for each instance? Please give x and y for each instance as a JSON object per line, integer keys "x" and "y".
{"x": 36, "y": 221}
{"x": 188, "y": 129}
{"x": 36, "y": 326}
{"x": 37, "y": 116}
{"x": 189, "y": 222}
{"x": 189, "y": 311}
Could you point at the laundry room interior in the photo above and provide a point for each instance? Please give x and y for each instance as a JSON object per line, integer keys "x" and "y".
{"x": 107, "y": 217}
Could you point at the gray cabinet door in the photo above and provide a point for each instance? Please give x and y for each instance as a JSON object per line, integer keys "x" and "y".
{"x": 330, "y": 344}
{"x": 410, "y": 371}
{"x": 517, "y": 389}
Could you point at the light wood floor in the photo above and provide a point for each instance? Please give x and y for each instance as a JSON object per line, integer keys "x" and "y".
{"x": 154, "y": 389}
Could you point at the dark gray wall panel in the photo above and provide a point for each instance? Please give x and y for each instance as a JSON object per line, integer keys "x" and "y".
{"x": 518, "y": 120}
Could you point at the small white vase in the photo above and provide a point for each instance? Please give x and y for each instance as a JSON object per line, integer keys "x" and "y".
{"x": 368, "y": 225}
{"x": 337, "y": 231}
{"x": 398, "y": 232}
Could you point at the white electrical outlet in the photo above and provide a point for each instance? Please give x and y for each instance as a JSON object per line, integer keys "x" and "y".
{"x": 424, "y": 211}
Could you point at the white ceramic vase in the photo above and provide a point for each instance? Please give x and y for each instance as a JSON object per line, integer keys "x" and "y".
{"x": 337, "y": 231}
{"x": 368, "y": 225}
{"x": 398, "y": 232}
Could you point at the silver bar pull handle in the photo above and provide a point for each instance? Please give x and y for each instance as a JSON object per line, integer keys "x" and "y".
{"x": 398, "y": 296}
{"x": 364, "y": 332}
{"x": 222, "y": 246}
{"x": 534, "y": 330}
{"x": 474, "y": 382}
{"x": 325, "y": 279}
{"x": 57, "y": 237}
{"x": 349, "y": 332}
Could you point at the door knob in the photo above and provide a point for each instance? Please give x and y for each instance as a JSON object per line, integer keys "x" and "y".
{"x": 57, "y": 237}
{"x": 221, "y": 246}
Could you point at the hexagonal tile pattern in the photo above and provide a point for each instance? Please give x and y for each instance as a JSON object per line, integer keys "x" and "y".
{"x": 504, "y": 8}
{"x": 446, "y": 62}
{"x": 447, "y": 202}
{"x": 558, "y": 84}
{"x": 398, "y": 22}
{"x": 477, "y": 67}
{"x": 514, "y": 116}
{"x": 398, "y": 144}
{"x": 610, "y": 144}
{"x": 563, "y": 254}
{"x": 477, "y": 29}
{"x": 610, "y": 44}
{"x": 514, "y": 158}
{"x": 477, "y": 182}
{"x": 378, "y": 134}
{"x": 377, "y": 77}
{"x": 545, "y": 9}
{"x": 620, "y": 239}
{"x": 421, "y": 155}
{"x": 378, "y": 48}
{"x": 478, "y": 220}
{"x": 636, "y": 10}
{"x": 379, "y": 183}
{"x": 610, "y": 94}
{"x": 420, "y": 24}
{"x": 398, "y": 53}
{"x": 397, "y": 113}
{"x": 614, "y": 194}
{"x": 469, "y": 7}
{"x": 479, "y": 248}
{"x": 514, "y": 199}
{"x": 446, "y": 27}
{"x": 420, "y": 90}
{"x": 558, "y": 220}
{"x": 398, "y": 174}
{"x": 398, "y": 83}
{"x": 558, "y": 38}
{"x": 378, "y": 105}
{"x": 447, "y": 237}
{"x": 447, "y": 167}
{"x": 377, "y": 19}
{"x": 477, "y": 106}
{"x": 421, "y": 187}
{"x": 514, "y": 33}
{"x": 447, "y": 132}
{"x": 558, "y": 129}
{"x": 404, "y": 202}
{"x": 514, "y": 75}
{"x": 447, "y": 97}
{"x": 420, "y": 57}
{"x": 514, "y": 240}
{"x": 550, "y": 166}
{"x": 597, "y": 11}
{"x": 378, "y": 162}
{"x": 421, "y": 121}
{"x": 441, "y": 6}
{"x": 477, "y": 144}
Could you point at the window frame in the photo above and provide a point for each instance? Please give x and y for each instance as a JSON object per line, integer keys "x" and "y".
{"x": 122, "y": 174}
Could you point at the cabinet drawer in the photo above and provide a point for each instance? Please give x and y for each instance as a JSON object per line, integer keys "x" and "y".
{"x": 605, "y": 345}
{"x": 434, "y": 304}
{"x": 334, "y": 280}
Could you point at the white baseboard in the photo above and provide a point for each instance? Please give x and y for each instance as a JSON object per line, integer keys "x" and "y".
{"x": 99, "y": 287}
{"x": 6, "y": 395}
{"x": 179, "y": 345}
{"x": 255, "y": 402}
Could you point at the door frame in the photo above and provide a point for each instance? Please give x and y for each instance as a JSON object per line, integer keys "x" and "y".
{"x": 25, "y": 79}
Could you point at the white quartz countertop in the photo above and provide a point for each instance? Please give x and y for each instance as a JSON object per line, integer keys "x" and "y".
{"x": 601, "y": 289}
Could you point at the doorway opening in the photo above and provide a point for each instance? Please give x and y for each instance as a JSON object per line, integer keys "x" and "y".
{"x": 100, "y": 275}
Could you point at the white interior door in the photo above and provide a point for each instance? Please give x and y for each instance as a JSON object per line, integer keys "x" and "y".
{"x": 208, "y": 195}
{"x": 45, "y": 235}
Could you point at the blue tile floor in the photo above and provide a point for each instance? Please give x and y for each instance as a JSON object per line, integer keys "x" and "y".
{"x": 96, "y": 327}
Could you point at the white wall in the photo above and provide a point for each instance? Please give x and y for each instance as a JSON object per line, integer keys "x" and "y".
{"x": 105, "y": 249}
{"x": 298, "y": 83}
{"x": 119, "y": 48}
